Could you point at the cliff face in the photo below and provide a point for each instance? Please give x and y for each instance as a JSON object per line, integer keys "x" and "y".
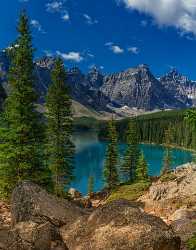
{"x": 138, "y": 88}
{"x": 179, "y": 86}
{"x": 133, "y": 88}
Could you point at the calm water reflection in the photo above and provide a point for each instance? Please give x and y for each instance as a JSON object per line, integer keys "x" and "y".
{"x": 90, "y": 154}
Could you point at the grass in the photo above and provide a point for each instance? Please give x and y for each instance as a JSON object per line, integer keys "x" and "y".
{"x": 168, "y": 177}
{"x": 129, "y": 191}
{"x": 191, "y": 243}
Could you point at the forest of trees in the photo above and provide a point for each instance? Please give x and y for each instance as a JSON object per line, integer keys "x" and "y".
{"x": 35, "y": 146}
{"x": 38, "y": 147}
{"x": 151, "y": 128}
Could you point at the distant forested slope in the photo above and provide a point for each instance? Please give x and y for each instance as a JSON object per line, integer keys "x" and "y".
{"x": 152, "y": 128}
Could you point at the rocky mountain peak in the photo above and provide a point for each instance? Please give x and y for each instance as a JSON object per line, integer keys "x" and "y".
{"x": 95, "y": 77}
{"x": 143, "y": 67}
{"x": 74, "y": 71}
{"x": 135, "y": 87}
{"x": 174, "y": 75}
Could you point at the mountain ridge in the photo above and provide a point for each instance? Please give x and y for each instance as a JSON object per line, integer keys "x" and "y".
{"x": 134, "y": 88}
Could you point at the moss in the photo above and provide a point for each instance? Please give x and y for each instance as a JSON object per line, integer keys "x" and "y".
{"x": 191, "y": 243}
{"x": 168, "y": 177}
{"x": 129, "y": 191}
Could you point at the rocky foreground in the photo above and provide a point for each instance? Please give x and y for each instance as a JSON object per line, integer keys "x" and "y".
{"x": 40, "y": 221}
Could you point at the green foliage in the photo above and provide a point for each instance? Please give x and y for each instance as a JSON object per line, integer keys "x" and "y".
{"x": 142, "y": 169}
{"x": 90, "y": 184}
{"x": 191, "y": 243}
{"x": 191, "y": 116}
{"x": 59, "y": 144}
{"x": 129, "y": 191}
{"x": 21, "y": 148}
{"x": 132, "y": 153}
{"x": 111, "y": 162}
{"x": 167, "y": 160}
{"x": 151, "y": 128}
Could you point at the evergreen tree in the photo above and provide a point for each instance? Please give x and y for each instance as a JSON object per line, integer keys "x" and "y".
{"x": 59, "y": 132}
{"x": 167, "y": 160}
{"x": 90, "y": 184}
{"x": 167, "y": 157}
{"x": 169, "y": 135}
{"x": 21, "y": 139}
{"x": 132, "y": 153}
{"x": 111, "y": 162}
{"x": 142, "y": 169}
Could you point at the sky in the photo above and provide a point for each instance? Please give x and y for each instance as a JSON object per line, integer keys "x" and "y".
{"x": 112, "y": 34}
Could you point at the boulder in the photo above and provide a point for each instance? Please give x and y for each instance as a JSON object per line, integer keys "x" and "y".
{"x": 75, "y": 194}
{"x": 31, "y": 236}
{"x": 84, "y": 202}
{"x": 30, "y": 202}
{"x": 119, "y": 225}
{"x": 183, "y": 222}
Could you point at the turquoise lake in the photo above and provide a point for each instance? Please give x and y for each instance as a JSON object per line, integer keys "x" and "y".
{"x": 90, "y": 155}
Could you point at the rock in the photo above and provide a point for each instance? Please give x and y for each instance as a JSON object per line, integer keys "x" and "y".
{"x": 84, "y": 202}
{"x": 183, "y": 222}
{"x": 5, "y": 215}
{"x": 31, "y": 236}
{"x": 175, "y": 201}
{"x": 29, "y": 202}
{"x": 182, "y": 186}
{"x": 74, "y": 193}
{"x": 119, "y": 225}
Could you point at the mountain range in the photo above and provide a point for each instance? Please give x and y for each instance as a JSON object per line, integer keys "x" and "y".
{"x": 133, "y": 89}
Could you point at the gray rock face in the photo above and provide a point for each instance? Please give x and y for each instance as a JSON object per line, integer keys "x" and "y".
{"x": 31, "y": 203}
{"x": 135, "y": 87}
{"x": 179, "y": 86}
{"x": 138, "y": 88}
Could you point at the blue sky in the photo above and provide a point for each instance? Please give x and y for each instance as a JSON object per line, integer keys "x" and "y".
{"x": 112, "y": 34}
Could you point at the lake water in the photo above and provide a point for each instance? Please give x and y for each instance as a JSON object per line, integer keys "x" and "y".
{"x": 90, "y": 155}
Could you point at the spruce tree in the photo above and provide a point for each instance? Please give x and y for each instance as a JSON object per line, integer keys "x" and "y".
{"x": 21, "y": 139}
{"x": 142, "y": 169}
{"x": 60, "y": 128}
{"x": 132, "y": 153}
{"x": 90, "y": 184}
{"x": 167, "y": 161}
{"x": 111, "y": 162}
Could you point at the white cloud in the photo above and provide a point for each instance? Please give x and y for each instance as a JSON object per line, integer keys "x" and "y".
{"x": 133, "y": 50}
{"x": 48, "y": 53}
{"x": 71, "y": 56}
{"x": 66, "y": 16}
{"x": 12, "y": 47}
{"x": 54, "y": 6}
{"x": 178, "y": 13}
{"x": 115, "y": 48}
{"x": 109, "y": 44}
{"x": 90, "y": 55}
{"x": 90, "y": 20}
{"x": 36, "y": 24}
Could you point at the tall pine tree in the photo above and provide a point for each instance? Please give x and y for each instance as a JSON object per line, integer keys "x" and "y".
{"x": 21, "y": 140}
{"x": 142, "y": 169}
{"x": 132, "y": 153}
{"x": 167, "y": 161}
{"x": 111, "y": 162}
{"x": 90, "y": 185}
{"x": 59, "y": 115}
